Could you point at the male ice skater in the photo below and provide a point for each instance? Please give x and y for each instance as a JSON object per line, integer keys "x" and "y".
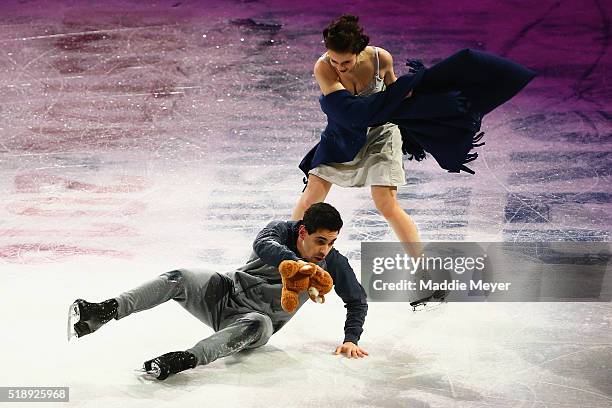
{"x": 243, "y": 306}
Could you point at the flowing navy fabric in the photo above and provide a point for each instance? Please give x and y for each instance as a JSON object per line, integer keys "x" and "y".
{"x": 442, "y": 117}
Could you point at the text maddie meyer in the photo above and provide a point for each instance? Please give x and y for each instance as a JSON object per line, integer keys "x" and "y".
{"x": 454, "y": 285}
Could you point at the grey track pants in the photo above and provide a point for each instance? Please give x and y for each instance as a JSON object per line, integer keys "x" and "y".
{"x": 206, "y": 295}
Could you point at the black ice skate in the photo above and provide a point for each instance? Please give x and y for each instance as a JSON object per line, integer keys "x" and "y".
{"x": 438, "y": 296}
{"x": 85, "y": 317}
{"x": 170, "y": 363}
{"x": 429, "y": 296}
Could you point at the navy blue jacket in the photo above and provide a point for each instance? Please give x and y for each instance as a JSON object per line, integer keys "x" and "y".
{"x": 278, "y": 242}
{"x": 442, "y": 117}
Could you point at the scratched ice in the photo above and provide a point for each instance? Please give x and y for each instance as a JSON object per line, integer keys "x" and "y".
{"x": 137, "y": 139}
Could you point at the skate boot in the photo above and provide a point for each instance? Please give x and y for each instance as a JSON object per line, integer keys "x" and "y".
{"x": 170, "y": 363}
{"x": 85, "y": 317}
{"x": 425, "y": 297}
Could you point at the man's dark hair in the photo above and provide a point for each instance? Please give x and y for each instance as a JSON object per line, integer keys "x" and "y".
{"x": 345, "y": 35}
{"x": 322, "y": 216}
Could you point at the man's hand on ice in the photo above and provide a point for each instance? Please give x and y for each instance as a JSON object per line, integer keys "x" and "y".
{"x": 351, "y": 350}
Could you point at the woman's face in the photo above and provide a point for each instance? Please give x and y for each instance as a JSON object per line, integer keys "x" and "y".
{"x": 343, "y": 62}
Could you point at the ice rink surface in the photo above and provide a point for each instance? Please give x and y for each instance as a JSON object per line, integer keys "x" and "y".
{"x": 135, "y": 139}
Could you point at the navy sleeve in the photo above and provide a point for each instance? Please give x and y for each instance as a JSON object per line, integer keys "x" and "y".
{"x": 271, "y": 244}
{"x": 351, "y": 292}
{"x": 352, "y": 111}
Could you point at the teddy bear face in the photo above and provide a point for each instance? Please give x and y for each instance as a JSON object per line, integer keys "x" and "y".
{"x": 300, "y": 276}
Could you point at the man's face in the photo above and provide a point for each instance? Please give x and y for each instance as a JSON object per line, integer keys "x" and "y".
{"x": 317, "y": 245}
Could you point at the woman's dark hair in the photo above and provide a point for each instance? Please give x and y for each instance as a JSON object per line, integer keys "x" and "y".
{"x": 322, "y": 216}
{"x": 345, "y": 35}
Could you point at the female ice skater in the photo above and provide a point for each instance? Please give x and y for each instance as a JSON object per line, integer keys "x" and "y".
{"x": 351, "y": 64}
{"x": 374, "y": 117}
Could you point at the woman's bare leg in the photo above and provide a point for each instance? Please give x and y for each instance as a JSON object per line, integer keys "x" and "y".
{"x": 316, "y": 191}
{"x": 385, "y": 199}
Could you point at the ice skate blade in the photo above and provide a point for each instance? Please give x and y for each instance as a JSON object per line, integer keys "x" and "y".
{"x": 432, "y": 301}
{"x": 74, "y": 316}
{"x": 146, "y": 375}
{"x": 426, "y": 306}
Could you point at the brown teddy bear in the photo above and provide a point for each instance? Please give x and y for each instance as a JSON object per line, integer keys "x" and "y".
{"x": 298, "y": 276}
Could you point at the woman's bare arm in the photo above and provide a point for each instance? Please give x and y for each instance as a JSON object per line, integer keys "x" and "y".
{"x": 386, "y": 65}
{"x": 326, "y": 77}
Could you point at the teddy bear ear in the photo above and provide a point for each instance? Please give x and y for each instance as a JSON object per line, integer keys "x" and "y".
{"x": 288, "y": 268}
